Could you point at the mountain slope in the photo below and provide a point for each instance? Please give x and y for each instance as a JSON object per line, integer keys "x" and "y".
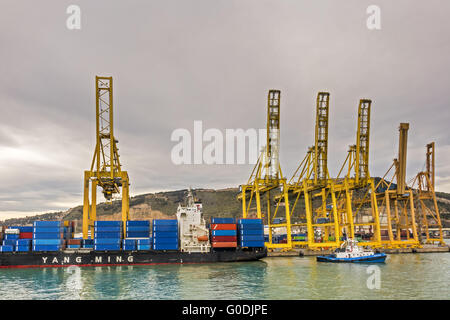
{"x": 163, "y": 205}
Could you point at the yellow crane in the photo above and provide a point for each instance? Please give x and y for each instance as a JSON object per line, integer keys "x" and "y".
{"x": 355, "y": 193}
{"x": 397, "y": 211}
{"x": 310, "y": 187}
{"x": 426, "y": 196}
{"x": 267, "y": 175}
{"x": 105, "y": 171}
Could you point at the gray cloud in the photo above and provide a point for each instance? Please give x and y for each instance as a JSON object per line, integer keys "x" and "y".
{"x": 174, "y": 62}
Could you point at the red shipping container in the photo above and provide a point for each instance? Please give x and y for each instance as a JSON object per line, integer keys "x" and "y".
{"x": 74, "y": 241}
{"x": 224, "y": 238}
{"x": 26, "y": 235}
{"x": 224, "y": 244}
{"x": 223, "y": 226}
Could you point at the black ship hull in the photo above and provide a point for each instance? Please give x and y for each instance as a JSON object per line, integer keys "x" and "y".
{"x": 92, "y": 258}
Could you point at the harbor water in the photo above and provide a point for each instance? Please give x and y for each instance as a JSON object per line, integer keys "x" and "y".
{"x": 403, "y": 276}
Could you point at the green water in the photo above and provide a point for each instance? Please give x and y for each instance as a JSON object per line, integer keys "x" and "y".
{"x": 403, "y": 276}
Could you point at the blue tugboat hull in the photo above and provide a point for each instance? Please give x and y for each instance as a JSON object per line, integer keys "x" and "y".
{"x": 376, "y": 258}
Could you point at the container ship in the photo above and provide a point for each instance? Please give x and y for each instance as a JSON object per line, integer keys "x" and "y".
{"x": 186, "y": 239}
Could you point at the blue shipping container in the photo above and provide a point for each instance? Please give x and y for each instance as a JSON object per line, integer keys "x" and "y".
{"x": 163, "y": 222}
{"x": 138, "y": 223}
{"x": 144, "y": 247}
{"x": 250, "y": 232}
{"x": 53, "y": 235}
{"x": 88, "y": 241}
{"x": 253, "y": 244}
{"x": 107, "y": 229}
{"x": 138, "y": 228}
{"x": 107, "y": 241}
{"x": 22, "y": 228}
{"x": 88, "y": 246}
{"x": 106, "y": 247}
{"x": 11, "y": 236}
{"x": 23, "y": 242}
{"x": 165, "y": 228}
{"x": 223, "y": 232}
{"x": 129, "y": 247}
{"x": 223, "y": 220}
{"x": 138, "y": 234}
{"x": 23, "y": 248}
{"x": 250, "y": 227}
{"x": 128, "y": 242}
{"x": 47, "y": 224}
{"x": 48, "y": 230}
{"x": 165, "y": 240}
{"x": 108, "y": 224}
{"x": 109, "y": 235}
{"x": 165, "y": 234}
{"x": 250, "y": 221}
{"x": 46, "y": 248}
{"x": 144, "y": 241}
{"x": 73, "y": 246}
{"x": 9, "y": 242}
{"x": 165, "y": 246}
{"x": 251, "y": 238}
{"x": 6, "y": 248}
{"x": 47, "y": 242}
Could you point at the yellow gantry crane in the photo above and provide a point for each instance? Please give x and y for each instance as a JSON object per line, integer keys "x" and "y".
{"x": 355, "y": 193}
{"x": 266, "y": 174}
{"x": 314, "y": 207}
{"x": 426, "y": 196}
{"x": 397, "y": 212}
{"x": 106, "y": 171}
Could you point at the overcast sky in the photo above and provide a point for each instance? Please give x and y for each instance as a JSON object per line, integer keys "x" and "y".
{"x": 174, "y": 62}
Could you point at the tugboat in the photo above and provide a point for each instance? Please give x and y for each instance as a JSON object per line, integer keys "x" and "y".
{"x": 351, "y": 252}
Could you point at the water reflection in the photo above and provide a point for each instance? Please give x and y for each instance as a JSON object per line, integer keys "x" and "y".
{"x": 404, "y": 276}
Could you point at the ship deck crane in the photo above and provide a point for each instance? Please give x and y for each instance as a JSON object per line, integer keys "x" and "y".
{"x": 426, "y": 196}
{"x": 267, "y": 175}
{"x": 397, "y": 212}
{"x": 106, "y": 171}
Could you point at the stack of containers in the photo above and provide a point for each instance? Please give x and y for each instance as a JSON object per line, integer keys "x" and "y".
{"x": 138, "y": 234}
{"x": 10, "y": 238}
{"x": 129, "y": 244}
{"x": 87, "y": 243}
{"x": 26, "y": 232}
{"x": 299, "y": 236}
{"x": 69, "y": 229}
{"x": 144, "y": 244}
{"x": 107, "y": 235}
{"x": 74, "y": 243}
{"x": 47, "y": 236}
{"x": 165, "y": 234}
{"x": 138, "y": 229}
{"x": 251, "y": 233}
{"x": 223, "y": 233}
{"x": 23, "y": 245}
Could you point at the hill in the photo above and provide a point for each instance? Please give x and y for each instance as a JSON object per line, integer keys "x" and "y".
{"x": 163, "y": 205}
